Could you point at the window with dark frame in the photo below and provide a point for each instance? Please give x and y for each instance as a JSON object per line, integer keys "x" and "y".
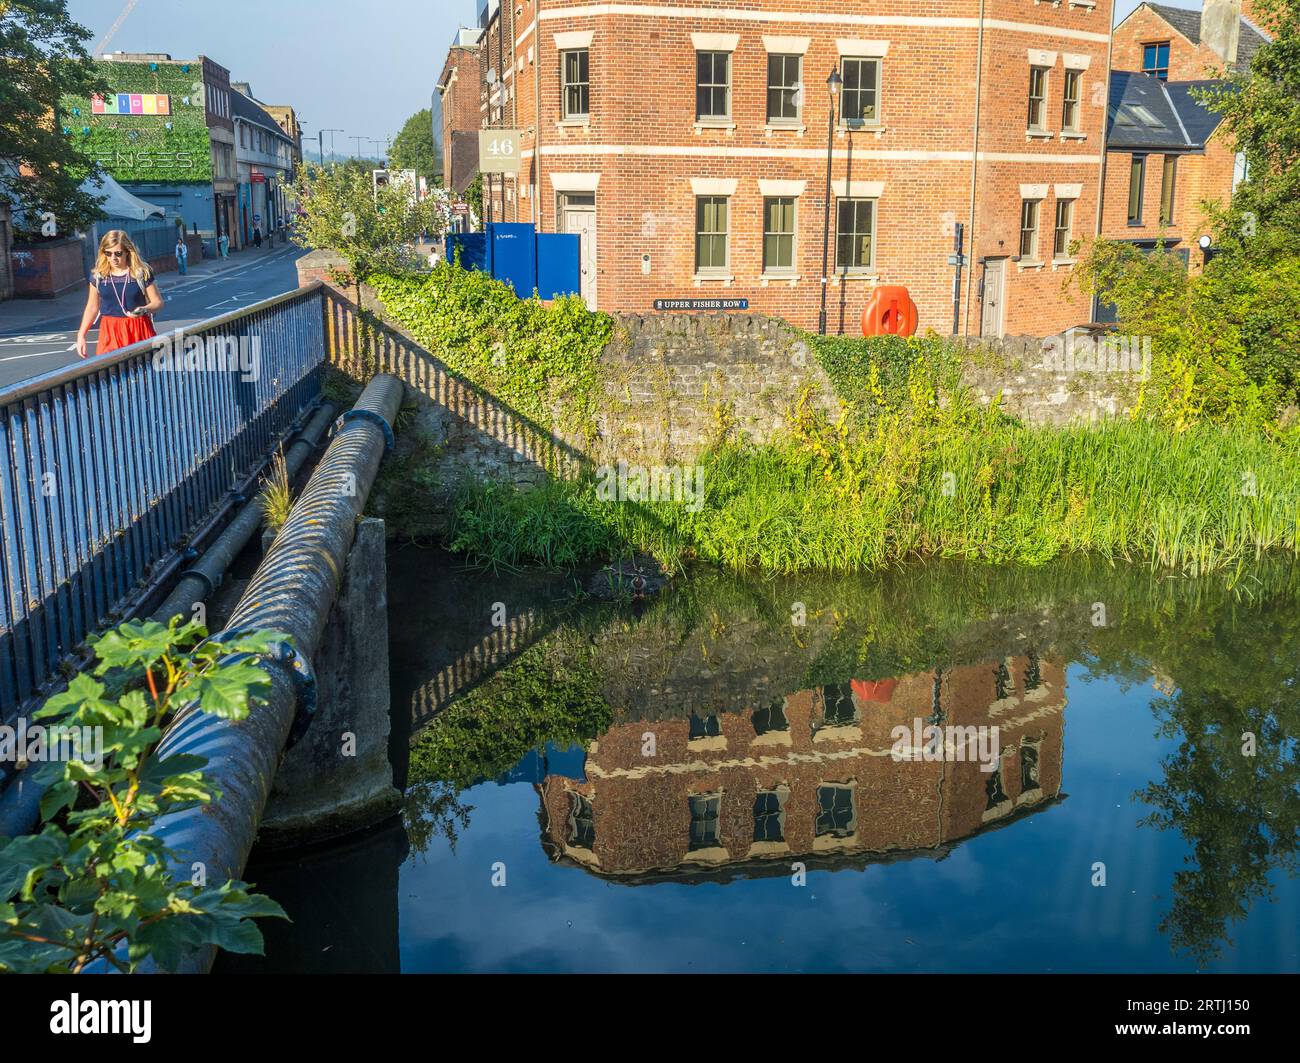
{"x": 1037, "y": 96}
{"x": 769, "y": 816}
{"x": 704, "y": 726}
{"x": 783, "y": 88}
{"x": 855, "y": 224}
{"x": 1028, "y": 767}
{"x": 993, "y": 791}
{"x": 778, "y": 234}
{"x": 712, "y": 84}
{"x": 1064, "y": 224}
{"x": 838, "y": 707}
{"x": 577, "y": 83}
{"x": 582, "y": 822}
{"x": 1029, "y": 238}
{"x": 1070, "y": 101}
{"x": 769, "y": 719}
{"x": 835, "y": 813}
{"x": 710, "y": 234}
{"x": 1136, "y": 184}
{"x": 860, "y": 94}
{"x": 1167, "y": 181}
{"x": 1155, "y": 59}
{"x": 704, "y": 821}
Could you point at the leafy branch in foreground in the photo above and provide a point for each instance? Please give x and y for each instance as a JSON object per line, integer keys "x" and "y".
{"x": 95, "y": 886}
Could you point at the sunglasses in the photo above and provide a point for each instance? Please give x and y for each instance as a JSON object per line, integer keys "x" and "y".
{"x": 115, "y": 254}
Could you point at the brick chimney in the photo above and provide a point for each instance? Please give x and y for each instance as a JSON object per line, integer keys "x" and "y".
{"x": 1221, "y": 28}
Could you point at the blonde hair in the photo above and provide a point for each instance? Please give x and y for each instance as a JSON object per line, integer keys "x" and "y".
{"x": 116, "y": 238}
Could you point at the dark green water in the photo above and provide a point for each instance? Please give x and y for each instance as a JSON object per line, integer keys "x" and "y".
{"x": 707, "y": 782}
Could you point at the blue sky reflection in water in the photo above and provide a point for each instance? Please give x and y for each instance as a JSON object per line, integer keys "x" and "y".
{"x": 929, "y": 880}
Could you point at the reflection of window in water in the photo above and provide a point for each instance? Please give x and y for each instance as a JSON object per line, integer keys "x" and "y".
{"x": 993, "y": 788}
{"x": 1033, "y": 674}
{"x": 769, "y": 817}
{"x": 771, "y": 718}
{"x": 838, "y": 709}
{"x": 835, "y": 817}
{"x": 704, "y": 820}
{"x": 704, "y": 726}
{"x": 1028, "y": 767}
{"x": 1002, "y": 681}
{"x": 582, "y": 824}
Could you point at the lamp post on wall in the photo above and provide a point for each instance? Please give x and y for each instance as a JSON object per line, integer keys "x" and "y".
{"x": 833, "y": 84}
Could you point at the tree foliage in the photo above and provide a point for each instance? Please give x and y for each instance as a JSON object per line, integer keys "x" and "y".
{"x": 95, "y": 886}
{"x": 415, "y": 149}
{"x": 373, "y": 229}
{"x": 1261, "y": 115}
{"x": 43, "y": 59}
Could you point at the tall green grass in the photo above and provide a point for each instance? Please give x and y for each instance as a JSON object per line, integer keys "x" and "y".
{"x": 979, "y": 487}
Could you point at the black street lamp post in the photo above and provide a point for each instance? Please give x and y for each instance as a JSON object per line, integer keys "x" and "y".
{"x": 833, "y": 84}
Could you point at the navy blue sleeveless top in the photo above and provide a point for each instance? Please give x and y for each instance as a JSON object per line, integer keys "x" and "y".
{"x": 117, "y": 295}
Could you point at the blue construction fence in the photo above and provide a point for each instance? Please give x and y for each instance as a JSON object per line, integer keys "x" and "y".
{"x": 529, "y": 261}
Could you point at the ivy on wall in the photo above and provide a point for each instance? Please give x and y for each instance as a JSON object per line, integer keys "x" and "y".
{"x": 542, "y": 360}
{"x": 141, "y": 147}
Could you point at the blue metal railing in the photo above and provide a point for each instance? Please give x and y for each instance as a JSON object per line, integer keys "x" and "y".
{"x": 108, "y": 466}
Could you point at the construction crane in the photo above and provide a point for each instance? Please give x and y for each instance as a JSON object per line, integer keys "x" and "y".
{"x": 102, "y": 47}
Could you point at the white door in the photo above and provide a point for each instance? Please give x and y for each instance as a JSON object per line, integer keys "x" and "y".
{"x": 583, "y": 222}
{"x": 995, "y": 273}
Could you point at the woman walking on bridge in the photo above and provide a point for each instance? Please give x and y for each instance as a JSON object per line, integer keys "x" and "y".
{"x": 123, "y": 296}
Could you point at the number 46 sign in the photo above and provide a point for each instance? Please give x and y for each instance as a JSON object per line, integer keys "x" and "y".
{"x": 498, "y": 151}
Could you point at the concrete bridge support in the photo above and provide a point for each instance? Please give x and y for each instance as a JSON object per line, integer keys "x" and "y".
{"x": 338, "y": 778}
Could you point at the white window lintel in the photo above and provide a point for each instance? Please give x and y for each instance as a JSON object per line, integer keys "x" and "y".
{"x": 715, "y": 42}
{"x": 768, "y": 187}
{"x": 858, "y": 189}
{"x": 1038, "y": 57}
{"x": 856, "y": 47}
{"x": 786, "y": 45}
{"x": 714, "y": 186}
{"x": 1071, "y": 61}
{"x": 1069, "y": 191}
{"x": 577, "y": 39}
{"x": 1033, "y": 191}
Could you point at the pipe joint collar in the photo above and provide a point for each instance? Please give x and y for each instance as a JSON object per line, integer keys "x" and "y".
{"x": 358, "y": 414}
{"x": 283, "y": 655}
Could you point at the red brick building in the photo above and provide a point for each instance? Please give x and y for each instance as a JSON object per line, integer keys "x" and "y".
{"x": 460, "y": 86}
{"x": 812, "y": 777}
{"x": 687, "y": 142}
{"x": 1166, "y": 152}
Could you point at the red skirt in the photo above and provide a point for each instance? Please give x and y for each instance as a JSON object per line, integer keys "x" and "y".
{"x": 115, "y": 332}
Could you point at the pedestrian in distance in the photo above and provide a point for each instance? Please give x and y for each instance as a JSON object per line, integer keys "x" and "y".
{"x": 182, "y": 254}
{"x": 223, "y": 245}
{"x": 123, "y": 296}
{"x": 257, "y": 236}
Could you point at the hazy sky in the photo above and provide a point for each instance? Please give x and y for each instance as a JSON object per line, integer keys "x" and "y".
{"x": 363, "y": 66}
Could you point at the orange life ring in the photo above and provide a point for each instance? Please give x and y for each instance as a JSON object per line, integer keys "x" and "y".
{"x": 890, "y": 312}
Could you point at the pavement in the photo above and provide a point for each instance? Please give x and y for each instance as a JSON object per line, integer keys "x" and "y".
{"x": 38, "y": 336}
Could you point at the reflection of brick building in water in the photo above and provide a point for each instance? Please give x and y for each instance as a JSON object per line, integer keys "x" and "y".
{"x": 811, "y": 776}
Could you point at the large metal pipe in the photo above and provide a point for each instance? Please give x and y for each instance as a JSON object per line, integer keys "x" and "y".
{"x": 20, "y": 802}
{"x": 201, "y": 578}
{"x": 292, "y": 592}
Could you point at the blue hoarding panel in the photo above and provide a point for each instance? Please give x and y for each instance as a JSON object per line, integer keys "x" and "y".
{"x": 472, "y": 248}
{"x": 558, "y": 269}
{"x": 513, "y": 255}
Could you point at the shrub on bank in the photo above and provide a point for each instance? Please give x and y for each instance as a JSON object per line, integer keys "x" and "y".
{"x": 990, "y": 490}
{"x": 1200, "y": 476}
